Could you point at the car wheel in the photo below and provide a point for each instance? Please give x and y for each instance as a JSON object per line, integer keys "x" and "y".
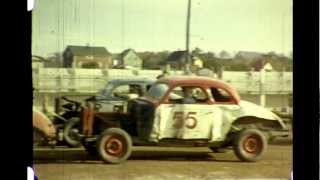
{"x": 70, "y": 132}
{"x": 114, "y": 145}
{"x": 249, "y": 145}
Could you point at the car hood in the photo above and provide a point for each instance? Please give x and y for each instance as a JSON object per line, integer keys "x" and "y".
{"x": 251, "y": 109}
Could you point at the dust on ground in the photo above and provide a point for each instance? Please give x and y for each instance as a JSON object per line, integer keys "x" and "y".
{"x": 158, "y": 163}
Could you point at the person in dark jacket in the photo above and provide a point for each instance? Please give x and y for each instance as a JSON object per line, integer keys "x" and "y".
{"x": 187, "y": 93}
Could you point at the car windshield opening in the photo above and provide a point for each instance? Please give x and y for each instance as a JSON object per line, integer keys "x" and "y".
{"x": 157, "y": 91}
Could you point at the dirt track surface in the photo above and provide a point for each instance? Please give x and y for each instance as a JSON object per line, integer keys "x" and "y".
{"x": 162, "y": 163}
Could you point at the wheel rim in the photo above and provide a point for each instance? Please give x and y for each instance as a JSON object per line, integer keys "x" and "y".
{"x": 114, "y": 146}
{"x": 73, "y": 134}
{"x": 252, "y": 144}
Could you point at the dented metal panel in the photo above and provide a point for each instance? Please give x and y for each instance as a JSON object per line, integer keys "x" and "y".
{"x": 251, "y": 109}
{"x": 42, "y": 123}
{"x": 194, "y": 121}
{"x": 187, "y": 121}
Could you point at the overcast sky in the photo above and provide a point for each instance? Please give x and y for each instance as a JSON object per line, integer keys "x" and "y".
{"x": 156, "y": 25}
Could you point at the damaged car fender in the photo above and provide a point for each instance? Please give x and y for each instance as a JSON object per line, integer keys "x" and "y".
{"x": 41, "y": 122}
{"x": 249, "y": 109}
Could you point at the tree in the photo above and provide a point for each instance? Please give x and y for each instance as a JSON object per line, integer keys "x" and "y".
{"x": 54, "y": 60}
{"x": 272, "y": 53}
{"x": 196, "y": 52}
{"x": 153, "y": 60}
{"x": 212, "y": 55}
{"x": 209, "y": 56}
{"x": 224, "y": 54}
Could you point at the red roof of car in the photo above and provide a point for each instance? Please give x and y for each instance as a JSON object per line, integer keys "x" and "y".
{"x": 200, "y": 81}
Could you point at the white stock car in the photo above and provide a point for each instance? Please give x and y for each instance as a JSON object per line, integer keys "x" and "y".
{"x": 214, "y": 116}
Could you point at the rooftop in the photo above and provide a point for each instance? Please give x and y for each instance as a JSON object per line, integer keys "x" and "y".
{"x": 87, "y": 50}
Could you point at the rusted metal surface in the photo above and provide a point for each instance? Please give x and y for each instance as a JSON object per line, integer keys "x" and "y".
{"x": 114, "y": 146}
{"x": 252, "y": 145}
{"x": 88, "y": 115}
{"x": 42, "y": 123}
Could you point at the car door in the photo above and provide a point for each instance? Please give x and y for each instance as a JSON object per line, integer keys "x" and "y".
{"x": 185, "y": 120}
{"x": 224, "y": 110}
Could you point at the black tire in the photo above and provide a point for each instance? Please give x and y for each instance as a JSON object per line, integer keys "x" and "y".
{"x": 249, "y": 145}
{"x": 114, "y": 146}
{"x": 69, "y": 136}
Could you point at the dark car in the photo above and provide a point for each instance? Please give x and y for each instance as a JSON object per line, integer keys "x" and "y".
{"x": 114, "y": 96}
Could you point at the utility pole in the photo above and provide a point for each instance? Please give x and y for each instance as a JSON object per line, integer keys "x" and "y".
{"x": 262, "y": 87}
{"x": 187, "y": 65}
